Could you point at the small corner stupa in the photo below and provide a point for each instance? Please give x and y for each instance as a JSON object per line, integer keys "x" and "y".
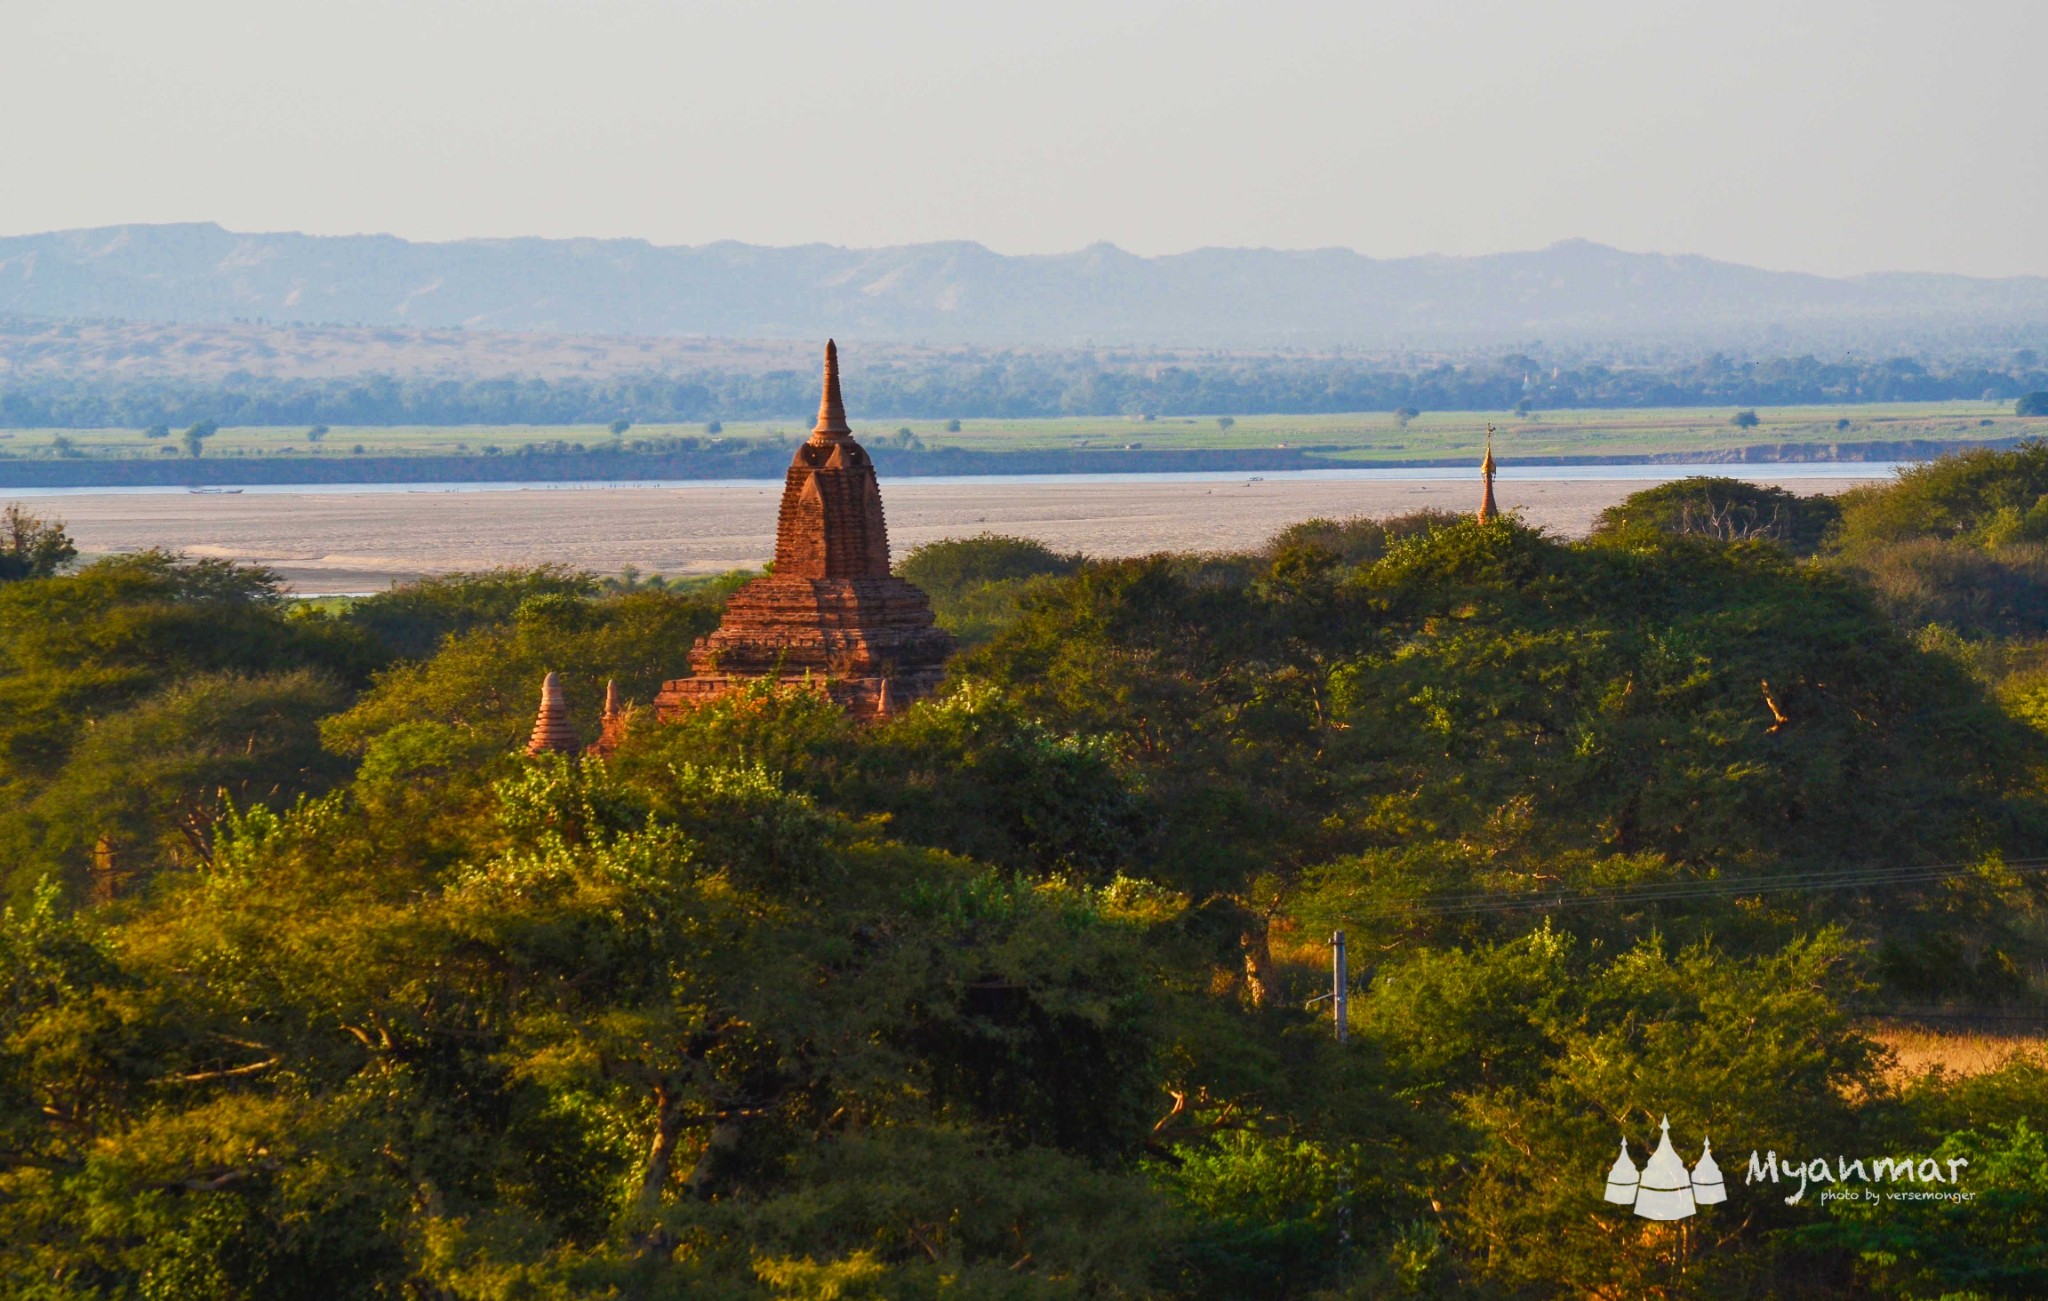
{"x": 611, "y": 723}
{"x": 552, "y": 733}
{"x": 830, "y": 614}
{"x": 1488, "y": 512}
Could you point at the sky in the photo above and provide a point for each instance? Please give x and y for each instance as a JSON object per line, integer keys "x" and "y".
{"x": 1804, "y": 135}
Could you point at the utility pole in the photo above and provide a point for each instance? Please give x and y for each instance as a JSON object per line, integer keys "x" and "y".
{"x": 1340, "y": 987}
{"x": 1340, "y": 1008}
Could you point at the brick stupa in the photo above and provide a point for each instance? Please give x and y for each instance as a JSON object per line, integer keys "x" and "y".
{"x": 551, "y": 730}
{"x": 830, "y": 614}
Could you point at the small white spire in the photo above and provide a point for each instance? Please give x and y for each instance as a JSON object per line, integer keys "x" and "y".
{"x": 1707, "y": 1186}
{"x": 1623, "y": 1178}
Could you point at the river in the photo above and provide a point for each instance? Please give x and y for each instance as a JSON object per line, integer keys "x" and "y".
{"x": 355, "y": 538}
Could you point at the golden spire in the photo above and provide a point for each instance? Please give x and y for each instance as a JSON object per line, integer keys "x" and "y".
{"x": 551, "y": 730}
{"x": 1488, "y": 512}
{"x": 831, "y": 409}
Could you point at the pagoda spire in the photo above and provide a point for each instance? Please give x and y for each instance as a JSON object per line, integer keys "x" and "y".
{"x": 831, "y": 407}
{"x": 551, "y": 730}
{"x": 830, "y": 617}
{"x": 1488, "y": 512}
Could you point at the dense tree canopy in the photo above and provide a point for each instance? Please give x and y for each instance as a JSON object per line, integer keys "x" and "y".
{"x": 1730, "y": 510}
{"x": 1013, "y": 384}
{"x": 312, "y": 984}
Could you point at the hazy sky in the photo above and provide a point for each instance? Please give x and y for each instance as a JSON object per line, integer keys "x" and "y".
{"x": 1796, "y": 134}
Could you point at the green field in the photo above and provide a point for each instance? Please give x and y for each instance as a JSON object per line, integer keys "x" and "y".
{"x": 1372, "y": 436}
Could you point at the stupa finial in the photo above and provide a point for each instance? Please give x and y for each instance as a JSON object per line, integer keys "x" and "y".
{"x": 831, "y": 407}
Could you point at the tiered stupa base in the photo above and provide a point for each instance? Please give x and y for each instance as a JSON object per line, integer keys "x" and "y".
{"x": 867, "y": 643}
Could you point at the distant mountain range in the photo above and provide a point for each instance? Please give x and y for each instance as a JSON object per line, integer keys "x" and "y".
{"x": 962, "y": 293}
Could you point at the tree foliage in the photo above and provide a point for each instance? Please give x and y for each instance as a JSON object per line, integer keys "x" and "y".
{"x": 31, "y": 546}
{"x": 1730, "y": 510}
{"x": 1012, "y": 385}
{"x": 974, "y": 583}
{"x": 312, "y": 984}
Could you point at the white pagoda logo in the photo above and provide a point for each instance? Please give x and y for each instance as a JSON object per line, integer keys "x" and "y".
{"x": 1663, "y": 1189}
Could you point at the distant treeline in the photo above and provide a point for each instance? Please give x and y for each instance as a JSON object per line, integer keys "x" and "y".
{"x": 767, "y": 458}
{"x": 1036, "y": 385}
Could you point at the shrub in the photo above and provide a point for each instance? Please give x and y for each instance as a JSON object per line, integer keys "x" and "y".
{"x": 975, "y": 583}
{"x": 1728, "y": 509}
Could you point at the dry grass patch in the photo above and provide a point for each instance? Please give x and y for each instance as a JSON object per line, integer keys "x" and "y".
{"x": 1918, "y": 1049}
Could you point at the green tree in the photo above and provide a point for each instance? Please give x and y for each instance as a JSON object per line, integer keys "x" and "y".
{"x": 1545, "y": 1047}
{"x": 976, "y": 583}
{"x": 1745, "y": 420}
{"x": 1940, "y": 1248}
{"x": 485, "y": 681}
{"x": 1291, "y": 724}
{"x": 2031, "y": 404}
{"x": 196, "y": 436}
{"x": 32, "y": 546}
{"x": 620, "y": 1043}
{"x": 412, "y": 619}
{"x": 1727, "y": 509}
{"x": 80, "y": 650}
{"x": 143, "y": 789}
